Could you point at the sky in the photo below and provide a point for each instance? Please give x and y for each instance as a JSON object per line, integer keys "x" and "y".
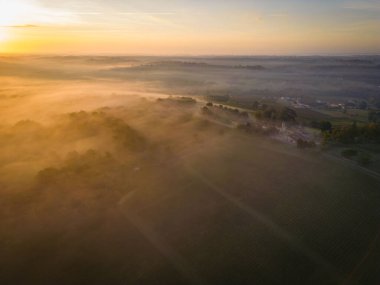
{"x": 184, "y": 27}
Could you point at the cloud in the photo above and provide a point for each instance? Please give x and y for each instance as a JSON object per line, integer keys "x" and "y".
{"x": 146, "y": 13}
{"x": 78, "y": 13}
{"x": 21, "y": 26}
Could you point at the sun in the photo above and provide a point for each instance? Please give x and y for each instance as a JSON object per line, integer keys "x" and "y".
{"x": 14, "y": 12}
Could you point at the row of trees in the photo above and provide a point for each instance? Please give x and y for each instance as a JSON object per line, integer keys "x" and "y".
{"x": 207, "y": 110}
{"x": 262, "y": 111}
{"x": 270, "y": 113}
{"x": 353, "y": 134}
{"x": 258, "y": 129}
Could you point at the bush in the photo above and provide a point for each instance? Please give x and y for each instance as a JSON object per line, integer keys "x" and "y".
{"x": 325, "y": 126}
{"x": 305, "y": 144}
{"x": 259, "y": 115}
{"x": 354, "y": 134}
{"x": 288, "y": 114}
{"x": 245, "y": 127}
{"x": 206, "y": 111}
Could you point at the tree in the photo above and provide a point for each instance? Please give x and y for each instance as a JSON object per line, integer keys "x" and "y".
{"x": 206, "y": 111}
{"x": 270, "y": 114}
{"x": 255, "y": 105}
{"x": 288, "y": 114}
{"x": 374, "y": 116}
{"x": 325, "y": 126}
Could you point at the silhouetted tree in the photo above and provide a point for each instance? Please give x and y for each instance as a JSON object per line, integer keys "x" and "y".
{"x": 206, "y": 111}
{"x": 325, "y": 126}
{"x": 288, "y": 114}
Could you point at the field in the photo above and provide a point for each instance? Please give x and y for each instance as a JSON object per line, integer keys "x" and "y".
{"x": 102, "y": 183}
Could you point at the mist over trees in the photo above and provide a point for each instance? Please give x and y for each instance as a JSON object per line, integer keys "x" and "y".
{"x": 110, "y": 173}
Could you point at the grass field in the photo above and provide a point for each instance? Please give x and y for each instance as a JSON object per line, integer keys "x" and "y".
{"x": 101, "y": 183}
{"x": 209, "y": 206}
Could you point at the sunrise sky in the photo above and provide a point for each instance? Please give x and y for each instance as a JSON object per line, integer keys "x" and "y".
{"x": 163, "y": 27}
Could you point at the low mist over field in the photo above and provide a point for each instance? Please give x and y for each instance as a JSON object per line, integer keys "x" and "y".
{"x": 315, "y": 77}
{"x": 186, "y": 170}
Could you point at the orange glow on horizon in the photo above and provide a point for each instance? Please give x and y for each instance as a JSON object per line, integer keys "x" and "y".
{"x": 26, "y": 26}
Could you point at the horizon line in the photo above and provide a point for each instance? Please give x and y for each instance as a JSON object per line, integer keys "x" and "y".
{"x": 189, "y": 55}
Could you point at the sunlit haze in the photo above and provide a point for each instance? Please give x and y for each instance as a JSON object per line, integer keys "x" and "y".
{"x": 166, "y": 27}
{"x": 189, "y": 142}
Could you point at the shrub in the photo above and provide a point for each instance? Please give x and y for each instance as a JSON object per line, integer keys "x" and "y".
{"x": 305, "y": 144}
{"x": 206, "y": 111}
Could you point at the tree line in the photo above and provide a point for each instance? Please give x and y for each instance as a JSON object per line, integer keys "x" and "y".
{"x": 368, "y": 133}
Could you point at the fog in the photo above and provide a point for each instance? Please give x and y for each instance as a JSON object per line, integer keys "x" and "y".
{"x": 102, "y": 183}
{"x": 354, "y": 77}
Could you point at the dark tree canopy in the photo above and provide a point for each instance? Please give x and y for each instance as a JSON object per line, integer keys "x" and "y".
{"x": 374, "y": 116}
{"x": 325, "y": 126}
{"x": 288, "y": 114}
